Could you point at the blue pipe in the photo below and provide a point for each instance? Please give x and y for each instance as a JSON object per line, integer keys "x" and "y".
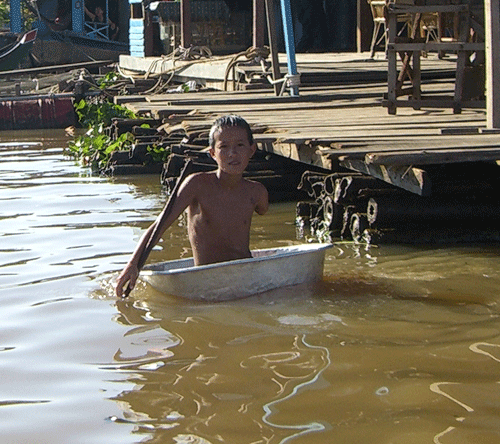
{"x": 286, "y": 13}
{"x": 16, "y": 18}
{"x": 77, "y": 15}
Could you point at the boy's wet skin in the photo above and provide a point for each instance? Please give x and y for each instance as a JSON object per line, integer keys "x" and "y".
{"x": 219, "y": 204}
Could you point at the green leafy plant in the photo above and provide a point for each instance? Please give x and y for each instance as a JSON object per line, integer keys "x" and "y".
{"x": 100, "y": 112}
{"x": 158, "y": 153}
{"x": 95, "y": 150}
{"x": 109, "y": 79}
{"x": 95, "y": 147}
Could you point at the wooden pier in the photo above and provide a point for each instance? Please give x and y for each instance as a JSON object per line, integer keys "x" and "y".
{"x": 344, "y": 130}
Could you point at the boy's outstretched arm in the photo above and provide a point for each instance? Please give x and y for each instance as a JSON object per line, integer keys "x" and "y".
{"x": 131, "y": 271}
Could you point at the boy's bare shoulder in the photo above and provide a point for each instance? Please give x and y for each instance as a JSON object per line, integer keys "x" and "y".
{"x": 256, "y": 186}
{"x": 259, "y": 196}
{"x": 204, "y": 175}
{"x": 200, "y": 179}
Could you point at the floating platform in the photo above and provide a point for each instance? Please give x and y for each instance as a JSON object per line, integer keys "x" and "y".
{"x": 343, "y": 129}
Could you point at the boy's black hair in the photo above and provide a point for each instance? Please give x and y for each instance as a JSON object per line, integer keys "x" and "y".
{"x": 230, "y": 120}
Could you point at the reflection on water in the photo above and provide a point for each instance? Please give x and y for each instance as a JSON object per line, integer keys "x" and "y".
{"x": 396, "y": 344}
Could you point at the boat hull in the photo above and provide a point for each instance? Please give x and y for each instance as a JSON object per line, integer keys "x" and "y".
{"x": 266, "y": 270}
{"x": 64, "y": 48}
{"x": 15, "y": 55}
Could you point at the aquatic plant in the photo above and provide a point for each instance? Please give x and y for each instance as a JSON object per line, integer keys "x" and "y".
{"x": 100, "y": 112}
{"x": 96, "y": 147}
{"x": 95, "y": 150}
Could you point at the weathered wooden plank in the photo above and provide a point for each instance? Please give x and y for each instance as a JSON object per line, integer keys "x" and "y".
{"x": 436, "y": 46}
{"x": 409, "y": 178}
{"x": 429, "y": 102}
{"x": 414, "y": 9}
{"x": 301, "y": 153}
{"x": 437, "y": 156}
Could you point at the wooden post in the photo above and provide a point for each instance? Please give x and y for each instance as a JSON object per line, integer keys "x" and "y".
{"x": 148, "y": 32}
{"x": 364, "y": 26}
{"x": 273, "y": 41}
{"x": 392, "y": 67}
{"x": 259, "y": 17}
{"x": 492, "y": 47}
{"x": 463, "y": 33}
{"x": 186, "y": 32}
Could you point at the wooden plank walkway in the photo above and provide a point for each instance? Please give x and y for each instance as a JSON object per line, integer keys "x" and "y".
{"x": 341, "y": 125}
{"x": 322, "y": 68}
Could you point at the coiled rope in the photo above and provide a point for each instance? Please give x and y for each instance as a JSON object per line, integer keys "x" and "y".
{"x": 252, "y": 53}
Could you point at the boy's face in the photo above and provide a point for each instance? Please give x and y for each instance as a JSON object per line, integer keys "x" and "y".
{"x": 232, "y": 150}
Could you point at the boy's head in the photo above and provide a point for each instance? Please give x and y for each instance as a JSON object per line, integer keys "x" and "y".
{"x": 229, "y": 121}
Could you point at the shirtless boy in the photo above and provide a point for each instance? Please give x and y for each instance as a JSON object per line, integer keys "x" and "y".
{"x": 219, "y": 204}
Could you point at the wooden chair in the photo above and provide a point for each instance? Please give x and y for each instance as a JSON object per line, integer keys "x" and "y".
{"x": 378, "y": 9}
{"x": 379, "y": 23}
{"x": 430, "y": 28}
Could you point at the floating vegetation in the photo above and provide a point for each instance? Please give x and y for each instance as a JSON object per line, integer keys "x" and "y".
{"x": 95, "y": 147}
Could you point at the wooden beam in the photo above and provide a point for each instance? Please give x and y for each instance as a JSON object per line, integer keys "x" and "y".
{"x": 148, "y": 32}
{"x": 55, "y": 68}
{"x": 186, "y": 30}
{"x": 407, "y": 177}
{"x": 364, "y": 26}
{"x": 433, "y": 156}
{"x": 415, "y": 9}
{"x": 492, "y": 42}
{"x": 273, "y": 44}
{"x": 297, "y": 151}
{"x": 436, "y": 46}
{"x": 392, "y": 66}
{"x": 259, "y": 23}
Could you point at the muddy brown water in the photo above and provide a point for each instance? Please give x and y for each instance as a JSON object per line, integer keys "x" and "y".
{"x": 397, "y": 344}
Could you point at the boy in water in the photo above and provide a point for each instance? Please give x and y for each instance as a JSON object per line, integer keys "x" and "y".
{"x": 219, "y": 204}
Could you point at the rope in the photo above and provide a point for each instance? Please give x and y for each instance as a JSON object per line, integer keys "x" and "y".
{"x": 252, "y": 53}
{"x": 288, "y": 81}
{"x": 292, "y": 80}
{"x": 191, "y": 55}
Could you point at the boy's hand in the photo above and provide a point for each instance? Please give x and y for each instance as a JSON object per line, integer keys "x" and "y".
{"x": 129, "y": 274}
